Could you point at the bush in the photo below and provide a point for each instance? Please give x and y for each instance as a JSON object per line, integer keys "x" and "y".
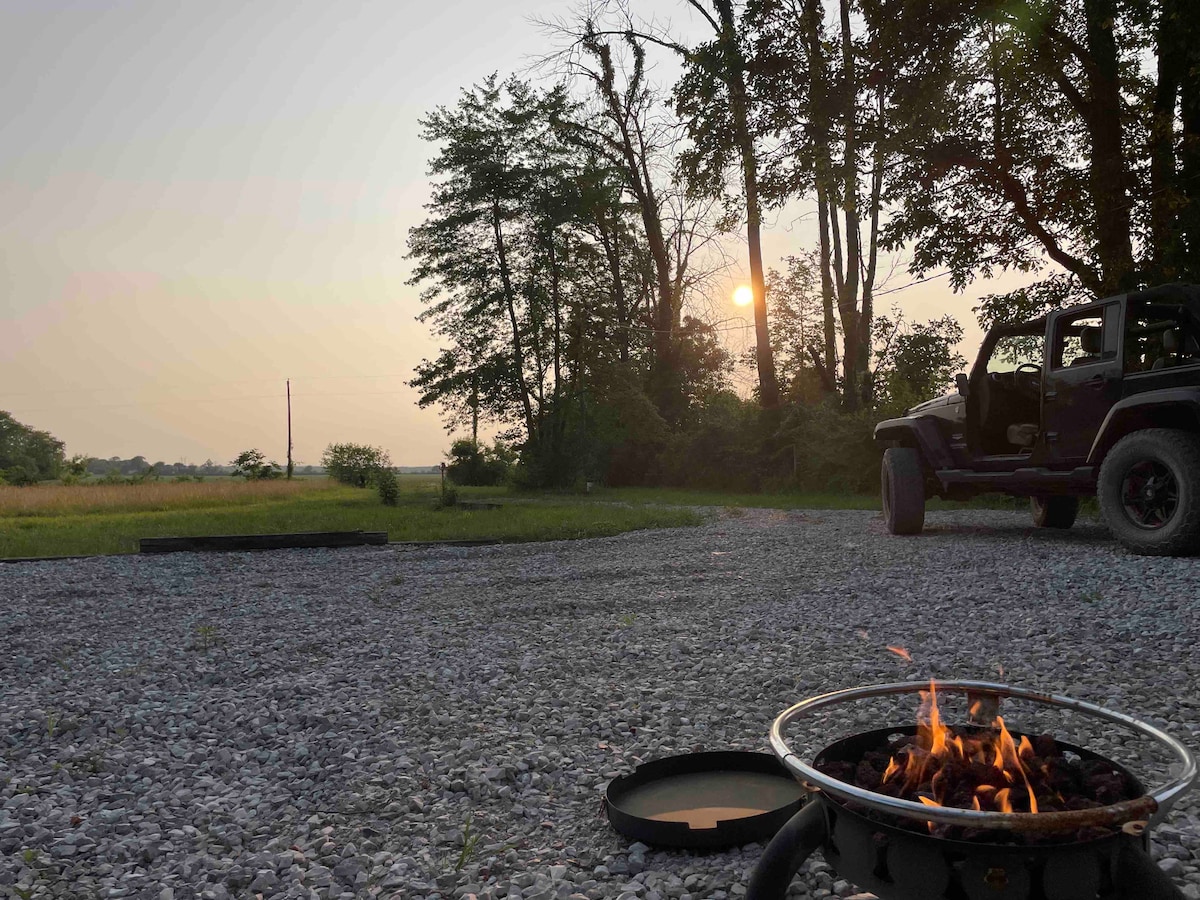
{"x": 388, "y": 486}
{"x": 729, "y": 447}
{"x": 478, "y": 466}
{"x": 835, "y": 451}
{"x": 357, "y": 465}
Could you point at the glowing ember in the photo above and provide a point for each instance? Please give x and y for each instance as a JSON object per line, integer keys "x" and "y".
{"x": 901, "y": 652}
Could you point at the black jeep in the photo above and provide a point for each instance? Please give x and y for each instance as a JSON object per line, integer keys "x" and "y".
{"x": 1099, "y": 399}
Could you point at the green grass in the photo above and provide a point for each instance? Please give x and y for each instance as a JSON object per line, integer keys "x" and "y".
{"x": 68, "y": 526}
{"x": 82, "y": 520}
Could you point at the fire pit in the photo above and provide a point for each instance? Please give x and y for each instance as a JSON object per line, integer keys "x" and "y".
{"x": 904, "y": 840}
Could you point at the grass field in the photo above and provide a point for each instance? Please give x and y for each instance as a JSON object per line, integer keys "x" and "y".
{"x": 57, "y": 520}
{"x": 60, "y": 520}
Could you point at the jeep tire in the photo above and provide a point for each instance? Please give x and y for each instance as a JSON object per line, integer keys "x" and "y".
{"x": 1149, "y": 491}
{"x": 903, "y": 483}
{"x": 1054, "y": 512}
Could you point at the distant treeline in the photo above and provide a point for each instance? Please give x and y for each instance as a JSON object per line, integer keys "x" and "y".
{"x": 139, "y": 465}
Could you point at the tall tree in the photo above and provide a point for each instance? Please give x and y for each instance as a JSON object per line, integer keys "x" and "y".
{"x": 829, "y": 118}
{"x": 1031, "y": 130}
{"x": 489, "y": 239}
{"x": 715, "y": 101}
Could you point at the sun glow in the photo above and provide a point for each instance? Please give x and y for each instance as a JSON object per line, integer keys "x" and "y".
{"x": 743, "y": 296}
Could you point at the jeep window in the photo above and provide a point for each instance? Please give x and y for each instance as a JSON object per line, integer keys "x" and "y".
{"x": 1014, "y": 350}
{"x": 1080, "y": 341}
{"x": 1160, "y": 336}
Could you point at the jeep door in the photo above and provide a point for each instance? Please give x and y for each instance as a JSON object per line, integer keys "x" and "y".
{"x": 1083, "y": 378}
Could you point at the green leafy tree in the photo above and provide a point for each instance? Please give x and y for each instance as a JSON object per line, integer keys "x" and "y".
{"x": 253, "y": 466}
{"x": 1029, "y": 131}
{"x": 357, "y": 465}
{"x": 916, "y": 361}
{"x": 26, "y": 454}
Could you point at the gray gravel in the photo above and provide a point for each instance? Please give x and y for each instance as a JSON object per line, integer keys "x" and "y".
{"x": 441, "y": 722}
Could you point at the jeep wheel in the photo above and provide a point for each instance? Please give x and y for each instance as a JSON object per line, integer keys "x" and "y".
{"x": 903, "y": 490}
{"x": 1054, "y": 512}
{"x": 1150, "y": 492}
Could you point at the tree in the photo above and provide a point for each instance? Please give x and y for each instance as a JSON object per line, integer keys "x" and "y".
{"x": 824, "y": 106}
{"x": 715, "y": 101}
{"x": 916, "y": 362}
{"x": 536, "y": 278}
{"x": 803, "y": 329}
{"x": 1029, "y": 131}
{"x": 355, "y": 464}
{"x": 253, "y": 466}
{"x": 26, "y": 454}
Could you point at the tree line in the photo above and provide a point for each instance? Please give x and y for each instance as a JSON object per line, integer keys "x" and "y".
{"x": 578, "y": 220}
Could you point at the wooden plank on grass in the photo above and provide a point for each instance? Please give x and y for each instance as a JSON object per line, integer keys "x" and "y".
{"x": 227, "y": 542}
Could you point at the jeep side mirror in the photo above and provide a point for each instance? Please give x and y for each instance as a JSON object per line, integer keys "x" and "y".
{"x": 960, "y": 381}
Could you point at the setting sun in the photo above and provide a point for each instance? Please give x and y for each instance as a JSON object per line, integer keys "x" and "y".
{"x": 743, "y": 296}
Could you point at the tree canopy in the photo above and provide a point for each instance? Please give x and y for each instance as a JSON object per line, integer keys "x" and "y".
{"x": 26, "y": 454}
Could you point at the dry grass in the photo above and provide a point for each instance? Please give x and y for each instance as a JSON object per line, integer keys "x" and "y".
{"x": 58, "y": 499}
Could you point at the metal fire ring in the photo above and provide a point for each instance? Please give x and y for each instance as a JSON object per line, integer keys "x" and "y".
{"x": 1153, "y": 806}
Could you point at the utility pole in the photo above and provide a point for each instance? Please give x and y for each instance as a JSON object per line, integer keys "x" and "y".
{"x": 289, "y": 404}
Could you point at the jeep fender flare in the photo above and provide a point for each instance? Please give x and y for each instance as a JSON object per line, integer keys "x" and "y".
{"x": 921, "y": 433}
{"x": 1167, "y": 408}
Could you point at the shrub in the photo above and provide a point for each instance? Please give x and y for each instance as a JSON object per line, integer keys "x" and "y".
{"x": 835, "y": 450}
{"x": 389, "y": 487}
{"x": 357, "y": 465}
{"x": 479, "y": 466}
{"x": 253, "y": 466}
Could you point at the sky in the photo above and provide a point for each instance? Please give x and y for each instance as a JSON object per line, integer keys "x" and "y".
{"x": 202, "y": 200}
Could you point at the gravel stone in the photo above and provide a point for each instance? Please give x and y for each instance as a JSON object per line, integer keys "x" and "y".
{"x": 438, "y": 722}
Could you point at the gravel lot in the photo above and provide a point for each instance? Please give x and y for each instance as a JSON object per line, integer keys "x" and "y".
{"x": 439, "y": 722}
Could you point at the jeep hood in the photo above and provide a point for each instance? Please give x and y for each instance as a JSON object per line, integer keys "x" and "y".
{"x": 937, "y": 403}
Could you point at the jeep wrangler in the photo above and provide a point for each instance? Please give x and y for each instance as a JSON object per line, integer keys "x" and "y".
{"x": 1101, "y": 399}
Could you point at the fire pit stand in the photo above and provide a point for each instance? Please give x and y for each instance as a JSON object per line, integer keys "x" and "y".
{"x": 844, "y": 821}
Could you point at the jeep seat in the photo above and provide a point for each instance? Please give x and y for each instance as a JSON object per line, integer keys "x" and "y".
{"x": 1175, "y": 343}
{"x": 1022, "y": 435}
{"x": 1091, "y": 343}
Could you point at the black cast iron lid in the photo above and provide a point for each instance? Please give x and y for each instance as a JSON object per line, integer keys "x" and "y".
{"x": 704, "y": 801}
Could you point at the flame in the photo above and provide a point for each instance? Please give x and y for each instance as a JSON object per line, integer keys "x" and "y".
{"x": 933, "y": 767}
{"x": 901, "y": 652}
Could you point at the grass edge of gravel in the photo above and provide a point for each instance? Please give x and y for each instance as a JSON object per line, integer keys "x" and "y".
{"x": 101, "y": 533}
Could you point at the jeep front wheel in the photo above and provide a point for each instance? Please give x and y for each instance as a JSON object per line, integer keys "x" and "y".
{"x": 1054, "y": 512}
{"x": 1149, "y": 491}
{"x": 903, "y": 490}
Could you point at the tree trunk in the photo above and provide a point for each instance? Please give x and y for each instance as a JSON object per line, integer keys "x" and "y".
{"x": 735, "y": 81}
{"x": 510, "y": 302}
{"x": 1109, "y": 173}
{"x": 830, "y": 325}
{"x": 642, "y": 187}
{"x": 817, "y": 98}
{"x": 613, "y": 254}
{"x": 1189, "y": 153}
{"x": 868, "y": 295}
{"x": 1164, "y": 197}
{"x": 555, "y": 300}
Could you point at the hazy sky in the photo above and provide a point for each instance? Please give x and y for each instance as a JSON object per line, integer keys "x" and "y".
{"x": 202, "y": 199}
